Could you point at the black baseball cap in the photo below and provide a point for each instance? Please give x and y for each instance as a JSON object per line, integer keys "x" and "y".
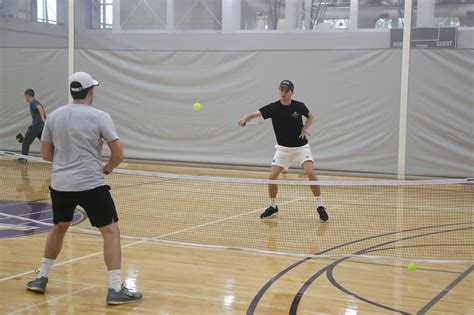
{"x": 288, "y": 84}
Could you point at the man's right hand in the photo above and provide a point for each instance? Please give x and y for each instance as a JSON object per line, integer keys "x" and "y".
{"x": 107, "y": 169}
{"x": 242, "y": 122}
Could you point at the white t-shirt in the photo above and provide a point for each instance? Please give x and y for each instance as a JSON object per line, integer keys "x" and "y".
{"x": 77, "y": 132}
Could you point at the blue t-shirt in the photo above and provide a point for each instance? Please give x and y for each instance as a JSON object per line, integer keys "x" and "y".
{"x": 35, "y": 115}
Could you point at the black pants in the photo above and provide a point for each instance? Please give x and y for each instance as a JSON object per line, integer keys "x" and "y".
{"x": 32, "y": 133}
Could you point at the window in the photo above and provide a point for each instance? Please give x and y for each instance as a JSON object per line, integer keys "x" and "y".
{"x": 198, "y": 14}
{"x": 102, "y": 14}
{"x": 337, "y": 23}
{"x": 389, "y": 23}
{"x": 106, "y": 14}
{"x": 447, "y": 21}
{"x": 47, "y": 11}
{"x": 143, "y": 14}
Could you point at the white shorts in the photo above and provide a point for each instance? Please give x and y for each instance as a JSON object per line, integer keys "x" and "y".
{"x": 285, "y": 155}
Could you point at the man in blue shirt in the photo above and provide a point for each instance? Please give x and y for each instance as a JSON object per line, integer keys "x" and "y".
{"x": 38, "y": 117}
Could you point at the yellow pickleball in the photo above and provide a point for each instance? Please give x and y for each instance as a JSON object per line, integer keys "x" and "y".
{"x": 197, "y": 106}
{"x": 411, "y": 267}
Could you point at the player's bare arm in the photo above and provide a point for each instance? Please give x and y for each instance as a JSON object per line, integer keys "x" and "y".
{"x": 47, "y": 151}
{"x": 248, "y": 118}
{"x": 116, "y": 156}
{"x": 304, "y": 132}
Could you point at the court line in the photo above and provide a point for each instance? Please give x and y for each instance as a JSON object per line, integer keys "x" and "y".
{"x": 19, "y": 202}
{"x": 274, "y": 279}
{"x": 164, "y": 292}
{"x": 220, "y": 220}
{"x": 315, "y": 213}
{"x": 329, "y": 270}
{"x": 20, "y": 217}
{"x": 53, "y": 299}
{"x": 397, "y": 266}
{"x": 137, "y": 242}
{"x": 67, "y": 262}
{"x": 23, "y": 216}
{"x": 184, "y": 230}
{"x": 446, "y": 290}
{"x": 41, "y": 222}
{"x": 420, "y": 245}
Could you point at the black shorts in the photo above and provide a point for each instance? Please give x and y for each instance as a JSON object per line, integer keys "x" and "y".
{"x": 97, "y": 203}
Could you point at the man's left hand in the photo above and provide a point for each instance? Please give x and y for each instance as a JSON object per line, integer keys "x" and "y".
{"x": 304, "y": 134}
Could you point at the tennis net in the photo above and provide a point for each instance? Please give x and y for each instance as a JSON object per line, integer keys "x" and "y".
{"x": 417, "y": 220}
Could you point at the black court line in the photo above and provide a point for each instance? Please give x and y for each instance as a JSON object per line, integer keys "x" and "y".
{"x": 330, "y": 275}
{"x": 446, "y": 290}
{"x": 341, "y": 288}
{"x": 401, "y": 267}
{"x": 423, "y": 245}
{"x": 330, "y": 269}
{"x": 395, "y": 266}
{"x": 262, "y": 291}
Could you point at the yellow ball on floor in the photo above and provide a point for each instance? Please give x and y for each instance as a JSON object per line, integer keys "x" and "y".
{"x": 197, "y": 106}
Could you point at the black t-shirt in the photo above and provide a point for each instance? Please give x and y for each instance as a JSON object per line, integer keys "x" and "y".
{"x": 287, "y": 122}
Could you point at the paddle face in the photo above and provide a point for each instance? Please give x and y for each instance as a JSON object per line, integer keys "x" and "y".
{"x": 19, "y": 137}
{"x": 254, "y": 123}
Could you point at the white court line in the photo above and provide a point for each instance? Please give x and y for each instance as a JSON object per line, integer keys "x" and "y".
{"x": 221, "y": 220}
{"x": 315, "y": 213}
{"x": 145, "y": 240}
{"x": 28, "y": 214}
{"x": 23, "y": 217}
{"x": 28, "y": 220}
{"x": 53, "y": 299}
{"x": 164, "y": 293}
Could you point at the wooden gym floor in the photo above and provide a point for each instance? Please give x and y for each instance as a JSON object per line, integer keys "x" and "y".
{"x": 178, "y": 279}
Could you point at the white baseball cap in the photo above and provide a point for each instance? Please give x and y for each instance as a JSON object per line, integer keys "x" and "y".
{"x": 84, "y": 79}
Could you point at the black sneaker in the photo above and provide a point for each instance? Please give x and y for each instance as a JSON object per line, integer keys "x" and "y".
{"x": 37, "y": 285}
{"x": 269, "y": 212}
{"x": 322, "y": 213}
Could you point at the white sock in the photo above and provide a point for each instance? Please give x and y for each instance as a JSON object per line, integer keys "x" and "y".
{"x": 319, "y": 202}
{"x": 115, "y": 280}
{"x": 273, "y": 202}
{"x": 46, "y": 265}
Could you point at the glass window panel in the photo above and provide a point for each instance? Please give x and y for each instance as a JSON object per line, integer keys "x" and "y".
{"x": 143, "y": 14}
{"x": 380, "y": 14}
{"x": 198, "y": 14}
{"x": 47, "y": 11}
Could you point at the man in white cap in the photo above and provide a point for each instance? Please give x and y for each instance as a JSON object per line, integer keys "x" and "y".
{"x": 292, "y": 143}
{"x": 72, "y": 139}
